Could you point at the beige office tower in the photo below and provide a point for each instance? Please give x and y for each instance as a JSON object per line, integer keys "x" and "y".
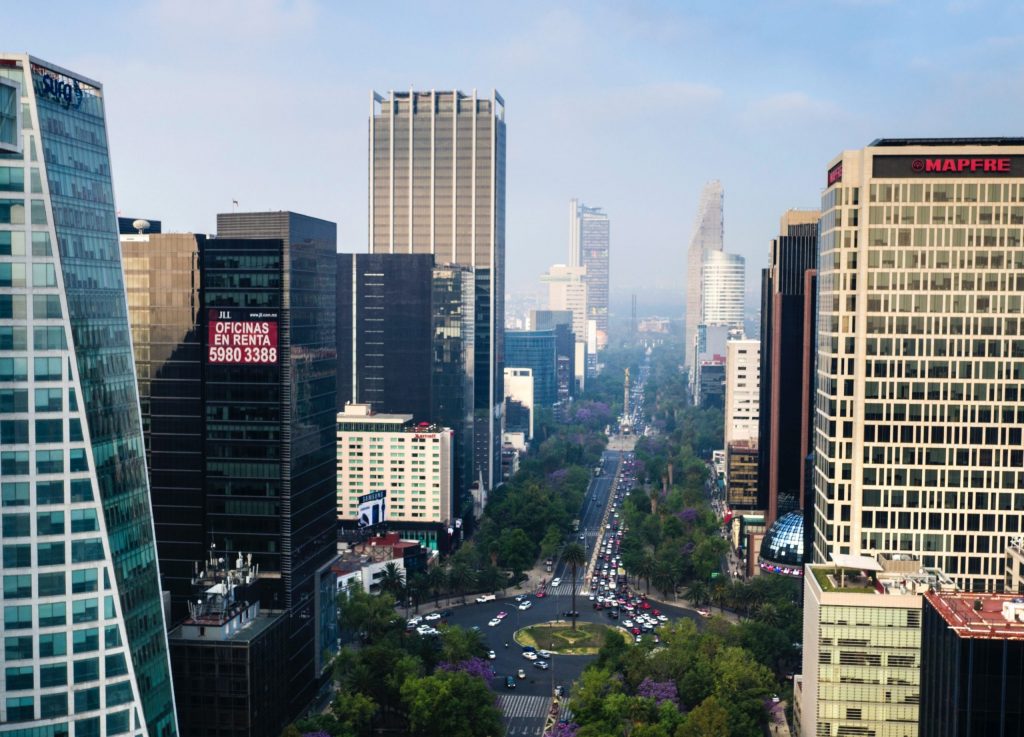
{"x": 567, "y": 290}
{"x": 918, "y": 401}
{"x": 707, "y": 236}
{"x": 437, "y": 185}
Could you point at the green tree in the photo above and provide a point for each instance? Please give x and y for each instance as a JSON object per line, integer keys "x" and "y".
{"x": 437, "y": 578}
{"x": 698, "y": 593}
{"x": 665, "y": 577}
{"x": 709, "y": 719}
{"x": 371, "y": 617}
{"x": 590, "y": 693}
{"x": 450, "y": 705}
{"x": 460, "y": 578}
{"x": 612, "y": 650}
{"x": 645, "y": 569}
{"x": 516, "y": 551}
{"x": 574, "y": 556}
{"x": 550, "y": 542}
{"x": 392, "y": 580}
{"x": 461, "y": 644}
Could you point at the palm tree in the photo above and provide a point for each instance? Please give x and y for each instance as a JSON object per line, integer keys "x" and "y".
{"x": 698, "y": 593}
{"x": 436, "y": 578}
{"x": 460, "y": 578}
{"x": 392, "y": 579}
{"x": 575, "y": 556}
{"x": 418, "y": 586}
{"x": 664, "y": 576}
{"x": 644, "y": 569}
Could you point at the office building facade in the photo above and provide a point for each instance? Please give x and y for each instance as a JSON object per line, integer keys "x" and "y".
{"x": 707, "y": 237}
{"x": 519, "y": 401}
{"x": 787, "y": 366}
{"x": 163, "y": 283}
{"x": 535, "y": 350}
{"x": 862, "y": 646}
{"x": 972, "y": 665}
{"x": 919, "y": 406}
{"x": 81, "y": 584}
{"x": 437, "y": 186}
{"x": 590, "y": 248}
{"x": 723, "y": 284}
{"x": 567, "y": 291}
{"x": 396, "y": 472}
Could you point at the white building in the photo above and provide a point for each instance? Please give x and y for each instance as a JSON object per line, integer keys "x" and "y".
{"x": 567, "y": 290}
{"x": 707, "y": 238}
{"x": 742, "y": 389}
{"x": 723, "y": 280}
{"x": 411, "y": 464}
{"x": 519, "y": 388}
{"x": 920, "y": 371}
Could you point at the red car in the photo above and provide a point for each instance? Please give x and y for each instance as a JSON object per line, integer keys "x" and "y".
{"x": 541, "y": 594}
{"x": 635, "y": 631}
{"x": 645, "y": 605}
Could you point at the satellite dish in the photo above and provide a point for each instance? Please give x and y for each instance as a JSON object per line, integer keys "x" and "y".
{"x": 141, "y": 225}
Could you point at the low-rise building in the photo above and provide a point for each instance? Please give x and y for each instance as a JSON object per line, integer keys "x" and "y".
{"x": 862, "y": 644}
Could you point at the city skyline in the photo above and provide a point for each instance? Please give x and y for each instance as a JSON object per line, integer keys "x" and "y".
{"x": 749, "y": 110}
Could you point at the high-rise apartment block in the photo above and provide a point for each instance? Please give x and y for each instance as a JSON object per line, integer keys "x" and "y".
{"x": 437, "y": 186}
{"x": 787, "y": 367}
{"x": 706, "y": 237}
{"x": 919, "y": 398}
{"x": 590, "y": 248}
{"x": 388, "y": 462}
{"x": 85, "y": 645}
{"x": 742, "y": 389}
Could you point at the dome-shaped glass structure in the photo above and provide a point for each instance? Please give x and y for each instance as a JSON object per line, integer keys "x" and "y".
{"x": 782, "y": 548}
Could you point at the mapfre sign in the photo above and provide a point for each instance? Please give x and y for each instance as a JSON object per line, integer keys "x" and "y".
{"x": 941, "y": 166}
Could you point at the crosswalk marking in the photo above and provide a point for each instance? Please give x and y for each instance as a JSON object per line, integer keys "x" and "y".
{"x": 564, "y": 712}
{"x": 529, "y": 707}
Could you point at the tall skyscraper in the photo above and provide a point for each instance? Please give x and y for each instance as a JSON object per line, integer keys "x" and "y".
{"x": 437, "y": 185}
{"x": 787, "y": 365}
{"x": 723, "y": 284}
{"x": 919, "y": 403}
{"x": 590, "y": 248}
{"x": 707, "y": 236}
{"x": 742, "y": 390}
{"x": 81, "y": 585}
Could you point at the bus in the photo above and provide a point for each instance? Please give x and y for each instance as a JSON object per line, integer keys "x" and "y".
{"x": 575, "y": 525}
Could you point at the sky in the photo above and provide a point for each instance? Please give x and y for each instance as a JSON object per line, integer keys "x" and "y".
{"x": 629, "y": 106}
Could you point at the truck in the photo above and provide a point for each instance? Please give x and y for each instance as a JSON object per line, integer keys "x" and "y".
{"x": 548, "y": 565}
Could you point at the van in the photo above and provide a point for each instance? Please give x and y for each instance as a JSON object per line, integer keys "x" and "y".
{"x": 484, "y": 598}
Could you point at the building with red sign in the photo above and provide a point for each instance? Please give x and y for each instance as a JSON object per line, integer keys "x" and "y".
{"x": 919, "y": 398}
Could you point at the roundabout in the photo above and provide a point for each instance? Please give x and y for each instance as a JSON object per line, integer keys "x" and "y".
{"x": 560, "y": 638}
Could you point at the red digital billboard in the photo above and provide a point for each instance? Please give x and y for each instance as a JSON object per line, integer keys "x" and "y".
{"x": 242, "y": 336}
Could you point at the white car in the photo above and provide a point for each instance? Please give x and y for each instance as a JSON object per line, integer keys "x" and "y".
{"x": 525, "y": 605}
{"x": 433, "y": 617}
{"x": 662, "y": 618}
{"x": 593, "y": 597}
{"x": 530, "y": 655}
{"x": 491, "y": 655}
{"x": 426, "y": 629}
{"x": 628, "y": 624}
{"x": 494, "y": 622}
{"x": 416, "y": 621}
{"x": 484, "y": 598}
{"x": 544, "y": 654}
{"x": 555, "y": 582}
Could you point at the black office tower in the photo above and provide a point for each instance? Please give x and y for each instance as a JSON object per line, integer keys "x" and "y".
{"x": 162, "y": 279}
{"x": 270, "y": 397}
{"x": 406, "y": 337}
{"x": 786, "y": 334}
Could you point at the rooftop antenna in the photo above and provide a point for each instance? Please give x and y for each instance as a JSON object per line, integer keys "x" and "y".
{"x": 141, "y": 225}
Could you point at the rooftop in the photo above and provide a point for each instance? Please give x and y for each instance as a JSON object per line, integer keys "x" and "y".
{"x": 893, "y": 574}
{"x": 981, "y": 616}
{"x": 994, "y": 141}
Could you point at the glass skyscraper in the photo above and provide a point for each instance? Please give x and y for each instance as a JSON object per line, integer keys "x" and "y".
{"x": 589, "y": 247}
{"x": 85, "y": 649}
{"x": 707, "y": 236}
{"x": 536, "y": 350}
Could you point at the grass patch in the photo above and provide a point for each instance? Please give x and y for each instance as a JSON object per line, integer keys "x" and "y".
{"x": 822, "y": 576}
{"x": 559, "y": 637}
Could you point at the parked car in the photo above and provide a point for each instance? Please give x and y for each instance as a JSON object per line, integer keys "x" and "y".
{"x": 484, "y": 598}
{"x": 432, "y": 617}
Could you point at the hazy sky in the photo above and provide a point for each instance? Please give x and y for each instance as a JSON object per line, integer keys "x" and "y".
{"x": 630, "y": 106}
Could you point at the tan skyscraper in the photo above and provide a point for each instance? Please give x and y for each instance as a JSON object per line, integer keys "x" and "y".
{"x": 437, "y": 185}
{"x": 919, "y": 400}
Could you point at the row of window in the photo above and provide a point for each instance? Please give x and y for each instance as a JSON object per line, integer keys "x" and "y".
{"x": 16, "y": 493}
{"x": 12, "y": 243}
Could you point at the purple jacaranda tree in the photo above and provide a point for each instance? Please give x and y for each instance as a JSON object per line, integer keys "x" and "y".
{"x": 473, "y": 666}
{"x": 660, "y": 691}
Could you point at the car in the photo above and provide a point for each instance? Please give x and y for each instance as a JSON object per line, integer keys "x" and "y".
{"x": 542, "y": 664}
{"x": 645, "y": 606}
{"x": 525, "y": 605}
{"x": 559, "y": 690}
{"x": 520, "y": 598}
{"x": 662, "y": 618}
{"x": 484, "y": 598}
{"x": 639, "y": 638}
{"x": 593, "y": 597}
{"x": 432, "y": 617}
{"x": 636, "y": 631}
{"x": 474, "y": 628}
{"x": 703, "y": 611}
{"x": 529, "y": 649}
{"x": 530, "y": 655}
{"x": 494, "y": 622}
{"x": 545, "y": 654}
{"x": 491, "y": 655}
{"x": 541, "y": 594}
{"x": 627, "y": 623}
{"x": 583, "y": 537}
{"x": 521, "y": 674}
{"x": 571, "y": 615}
{"x": 501, "y": 615}
{"x": 556, "y": 581}
{"x": 445, "y": 613}
{"x": 613, "y": 614}
{"x": 510, "y": 682}
{"x": 415, "y": 622}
